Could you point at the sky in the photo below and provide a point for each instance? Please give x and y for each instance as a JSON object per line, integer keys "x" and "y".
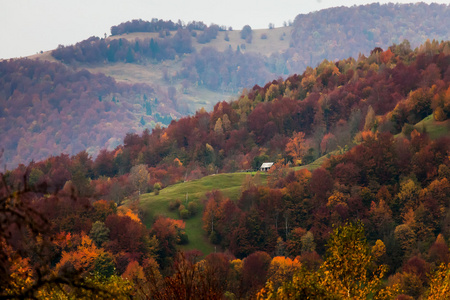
{"x": 29, "y": 26}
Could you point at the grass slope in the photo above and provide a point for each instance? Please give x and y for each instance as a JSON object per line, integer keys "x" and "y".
{"x": 435, "y": 129}
{"x": 153, "y": 205}
{"x": 229, "y": 184}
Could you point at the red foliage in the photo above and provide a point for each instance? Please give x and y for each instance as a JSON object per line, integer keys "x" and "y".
{"x": 126, "y": 235}
{"x": 321, "y": 183}
{"x": 255, "y": 269}
{"x": 418, "y": 266}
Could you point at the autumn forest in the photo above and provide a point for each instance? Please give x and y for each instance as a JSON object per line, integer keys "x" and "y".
{"x": 154, "y": 201}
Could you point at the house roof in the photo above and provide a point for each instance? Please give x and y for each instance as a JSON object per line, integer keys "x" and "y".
{"x": 267, "y": 165}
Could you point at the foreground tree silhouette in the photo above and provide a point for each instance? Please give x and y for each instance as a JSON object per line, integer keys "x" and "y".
{"x": 189, "y": 280}
{"x": 25, "y": 254}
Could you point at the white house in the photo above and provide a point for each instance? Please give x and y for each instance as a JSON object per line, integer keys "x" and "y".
{"x": 266, "y": 166}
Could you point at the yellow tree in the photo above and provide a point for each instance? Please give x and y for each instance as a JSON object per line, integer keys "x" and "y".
{"x": 218, "y": 128}
{"x": 304, "y": 285}
{"x": 282, "y": 269}
{"x": 440, "y": 284}
{"x": 349, "y": 272}
{"x": 346, "y": 268}
{"x": 296, "y": 147}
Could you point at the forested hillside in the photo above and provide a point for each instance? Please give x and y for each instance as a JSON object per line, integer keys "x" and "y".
{"x": 373, "y": 220}
{"x": 47, "y": 109}
{"x": 162, "y": 70}
{"x": 337, "y": 33}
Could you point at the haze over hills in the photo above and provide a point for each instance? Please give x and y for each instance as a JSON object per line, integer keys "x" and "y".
{"x": 192, "y": 66}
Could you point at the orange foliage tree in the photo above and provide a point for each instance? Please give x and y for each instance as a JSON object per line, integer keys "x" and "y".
{"x": 296, "y": 147}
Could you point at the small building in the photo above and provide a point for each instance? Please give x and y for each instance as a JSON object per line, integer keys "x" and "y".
{"x": 266, "y": 166}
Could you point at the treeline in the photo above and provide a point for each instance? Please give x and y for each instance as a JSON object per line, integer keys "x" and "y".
{"x": 48, "y": 108}
{"x": 173, "y": 39}
{"x": 228, "y": 71}
{"x": 156, "y": 25}
{"x": 96, "y": 50}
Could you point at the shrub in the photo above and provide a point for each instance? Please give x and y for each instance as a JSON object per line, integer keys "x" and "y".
{"x": 174, "y": 204}
{"x": 184, "y": 214}
{"x": 192, "y": 208}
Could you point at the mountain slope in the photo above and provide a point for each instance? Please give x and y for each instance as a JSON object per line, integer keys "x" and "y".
{"x": 191, "y": 66}
{"x": 395, "y": 189}
{"x": 48, "y": 108}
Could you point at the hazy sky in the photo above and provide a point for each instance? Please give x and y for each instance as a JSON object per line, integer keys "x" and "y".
{"x": 29, "y": 26}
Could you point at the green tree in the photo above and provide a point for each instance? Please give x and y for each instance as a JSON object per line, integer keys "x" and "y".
{"x": 157, "y": 188}
{"x": 130, "y": 56}
{"x": 308, "y": 244}
{"x": 104, "y": 264}
{"x": 406, "y": 237}
{"x": 139, "y": 177}
{"x": 99, "y": 233}
{"x": 246, "y": 33}
{"x": 35, "y": 176}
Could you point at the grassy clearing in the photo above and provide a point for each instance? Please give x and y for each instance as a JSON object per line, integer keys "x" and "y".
{"x": 276, "y": 40}
{"x": 318, "y": 162}
{"x": 229, "y": 184}
{"x": 434, "y": 128}
{"x": 153, "y": 205}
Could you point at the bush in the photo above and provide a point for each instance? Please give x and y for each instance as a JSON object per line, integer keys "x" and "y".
{"x": 439, "y": 114}
{"x": 183, "y": 238}
{"x": 157, "y": 187}
{"x": 192, "y": 208}
{"x": 184, "y": 214}
{"x": 246, "y": 32}
{"x": 214, "y": 238}
{"x": 407, "y": 129}
{"x": 174, "y": 204}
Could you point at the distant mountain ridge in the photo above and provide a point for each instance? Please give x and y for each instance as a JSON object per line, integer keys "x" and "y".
{"x": 341, "y": 32}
